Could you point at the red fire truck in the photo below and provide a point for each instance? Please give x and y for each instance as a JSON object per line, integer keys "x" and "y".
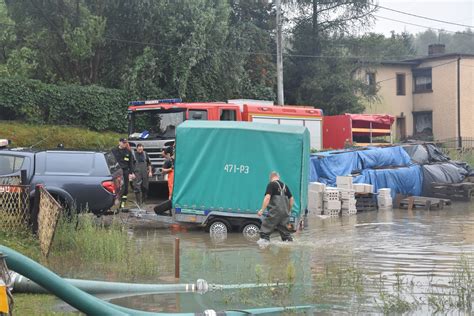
{"x": 153, "y": 122}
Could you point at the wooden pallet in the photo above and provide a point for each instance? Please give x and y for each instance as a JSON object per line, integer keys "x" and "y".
{"x": 365, "y": 202}
{"x": 420, "y": 202}
{"x": 459, "y": 191}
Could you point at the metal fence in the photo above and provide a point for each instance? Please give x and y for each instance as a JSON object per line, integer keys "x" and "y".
{"x": 17, "y": 216}
{"x": 457, "y": 143}
{"x": 48, "y": 216}
{"x": 14, "y": 207}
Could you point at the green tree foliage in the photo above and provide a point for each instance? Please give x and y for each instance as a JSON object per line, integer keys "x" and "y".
{"x": 321, "y": 73}
{"x": 372, "y": 47}
{"x": 459, "y": 42}
{"x": 197, "y": 50}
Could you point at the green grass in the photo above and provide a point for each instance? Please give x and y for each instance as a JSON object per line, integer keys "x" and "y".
{"x": 49, "y": 136}
{"x": 87, "y": 244}
{"x": 465, "y": 155}
{"x": 36, "y": 304}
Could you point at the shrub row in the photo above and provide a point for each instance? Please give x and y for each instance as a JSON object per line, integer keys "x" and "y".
{"x": 32, "y": 101}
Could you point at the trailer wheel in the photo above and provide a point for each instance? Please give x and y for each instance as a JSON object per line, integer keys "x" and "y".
{"x": 251, "y": 230}
{"x": 219, "y": 227}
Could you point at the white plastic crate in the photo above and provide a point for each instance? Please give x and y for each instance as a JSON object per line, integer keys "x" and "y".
{"x": 317, "y": 187}
{"x": 384, "y": 192}
{"x": 359, "y": 187}
{"x": 343, "y": 180}
{"x": 333, "y": 205}
{"x": 330, "y": 212}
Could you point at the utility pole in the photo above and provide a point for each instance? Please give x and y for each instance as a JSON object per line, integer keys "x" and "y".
{"x": 279, "y": 42}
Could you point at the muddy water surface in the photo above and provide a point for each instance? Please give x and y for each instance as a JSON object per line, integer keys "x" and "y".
{"x": 418, "y": 251}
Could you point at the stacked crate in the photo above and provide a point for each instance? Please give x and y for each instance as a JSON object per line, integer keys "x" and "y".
{"x": 348, "y": 202}
{"x": 332, "y": 202}
{"x": 315, "y": 197}
{"x": 384, "y": 199}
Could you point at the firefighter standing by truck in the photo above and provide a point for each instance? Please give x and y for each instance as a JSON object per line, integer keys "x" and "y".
{"x": 124, "y": 157}
{"x": 168, "y": 169}
{"x": 143, "y": 171}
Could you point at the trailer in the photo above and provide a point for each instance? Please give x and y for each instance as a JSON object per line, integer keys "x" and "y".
{"x": 363, "y": 130}
{"x": 222, "y": 169}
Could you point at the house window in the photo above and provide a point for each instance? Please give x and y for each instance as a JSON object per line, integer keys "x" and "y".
{"x": 400, "y": 84}
{"x": 422, "y": 80}
{"x": 370, "y": 80}
{"x": 423, "y": 125}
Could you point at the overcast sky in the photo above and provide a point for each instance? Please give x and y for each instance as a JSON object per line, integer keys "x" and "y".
{"x": 458, "y": 11}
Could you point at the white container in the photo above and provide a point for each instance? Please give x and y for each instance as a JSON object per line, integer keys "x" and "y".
{"x": 359, "y": 187}
{"x": 344, "y": 180}
{"x": 369, "y": 188}
{"x": 333, "y": 205}
{"x": 317, "y": 187}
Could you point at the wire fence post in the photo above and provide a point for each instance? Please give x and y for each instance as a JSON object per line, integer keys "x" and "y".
{"x": 176, "y": 258}
{"x": 35, "y": 209}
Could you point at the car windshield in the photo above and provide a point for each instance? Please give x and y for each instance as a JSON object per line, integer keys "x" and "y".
{"x": 155, "y": 123}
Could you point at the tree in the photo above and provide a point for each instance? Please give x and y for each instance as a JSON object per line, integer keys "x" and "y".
{"x": 64, "y": 34}
{"x": 318, "y": 71}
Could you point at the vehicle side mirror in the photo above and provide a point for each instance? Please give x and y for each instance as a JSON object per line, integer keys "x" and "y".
{"x": 197, "y": 116}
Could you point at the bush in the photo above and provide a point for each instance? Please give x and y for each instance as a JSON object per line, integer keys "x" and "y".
{"x": 32, "y": 101}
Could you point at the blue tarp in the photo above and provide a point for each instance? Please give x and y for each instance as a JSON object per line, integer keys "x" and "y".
{"x": 406, "y": 180}
{"x": 384, "y": 157}
{"x": 326, "y": 166}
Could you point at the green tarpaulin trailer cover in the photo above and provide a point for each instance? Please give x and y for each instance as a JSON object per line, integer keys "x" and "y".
{"x": 225, "y": 166}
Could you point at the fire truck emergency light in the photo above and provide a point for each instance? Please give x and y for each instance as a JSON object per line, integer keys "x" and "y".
{"x": 176, "y": 100}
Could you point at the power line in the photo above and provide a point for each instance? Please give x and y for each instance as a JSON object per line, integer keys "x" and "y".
{"x": 424, "y": 26}
{"x": 424, "y": 17}
{"x": 249, "y": 53}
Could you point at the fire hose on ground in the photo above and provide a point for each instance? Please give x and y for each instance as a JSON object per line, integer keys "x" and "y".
{"x": 22, "y": 284}
{"x": 91, "y": 305}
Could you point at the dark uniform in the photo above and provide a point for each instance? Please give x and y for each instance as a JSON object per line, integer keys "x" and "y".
{"x": 140, "y": 184}
{"x": 278, "y": 216}
{"x": 125, "y": 160}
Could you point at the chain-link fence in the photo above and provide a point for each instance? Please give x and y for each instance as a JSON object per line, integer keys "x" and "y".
{"x": 48, "y": 216}
{"x": 14, "y": 207}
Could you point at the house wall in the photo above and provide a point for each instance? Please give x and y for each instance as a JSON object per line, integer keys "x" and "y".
{"x": 442, "y": 101}
{"x": 388, "y": 101}
{"x": 467, "y": 96}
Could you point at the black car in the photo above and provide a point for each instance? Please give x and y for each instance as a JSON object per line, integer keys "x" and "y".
{"x": 81, "y": 180}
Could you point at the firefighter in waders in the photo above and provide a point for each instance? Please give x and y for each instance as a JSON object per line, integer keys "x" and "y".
{"x": 142, "y": 168}
{"x": 279, "y": 201}
{"x": 168, "y": 169}
{"x": 124, "y": 157}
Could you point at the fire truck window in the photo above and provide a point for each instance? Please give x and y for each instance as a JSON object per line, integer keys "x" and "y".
{"x": 228, "y": 115}
{"x": 197, "y": 114}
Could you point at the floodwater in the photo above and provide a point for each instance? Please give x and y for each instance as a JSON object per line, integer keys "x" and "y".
{"x": 418, "y": 251}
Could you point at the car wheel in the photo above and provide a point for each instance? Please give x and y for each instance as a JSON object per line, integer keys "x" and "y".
{"x": 251, "y": 231}
{"x": 219, "y": 227}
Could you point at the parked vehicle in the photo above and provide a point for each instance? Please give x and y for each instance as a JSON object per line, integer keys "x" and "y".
{"x": 222, "y": 169}
{"x": 82, "y": 180}
{"x": 153, "y": 122}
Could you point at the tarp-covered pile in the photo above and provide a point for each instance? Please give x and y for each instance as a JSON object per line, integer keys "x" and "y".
{"x": 407, "y": 169}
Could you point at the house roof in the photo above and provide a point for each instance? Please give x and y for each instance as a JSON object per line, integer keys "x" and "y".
{"x": 399, "y": 63}
{"x": 437, "y": 56}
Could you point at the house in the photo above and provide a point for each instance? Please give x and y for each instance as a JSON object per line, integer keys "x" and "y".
{"x": 432, "y": 97}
